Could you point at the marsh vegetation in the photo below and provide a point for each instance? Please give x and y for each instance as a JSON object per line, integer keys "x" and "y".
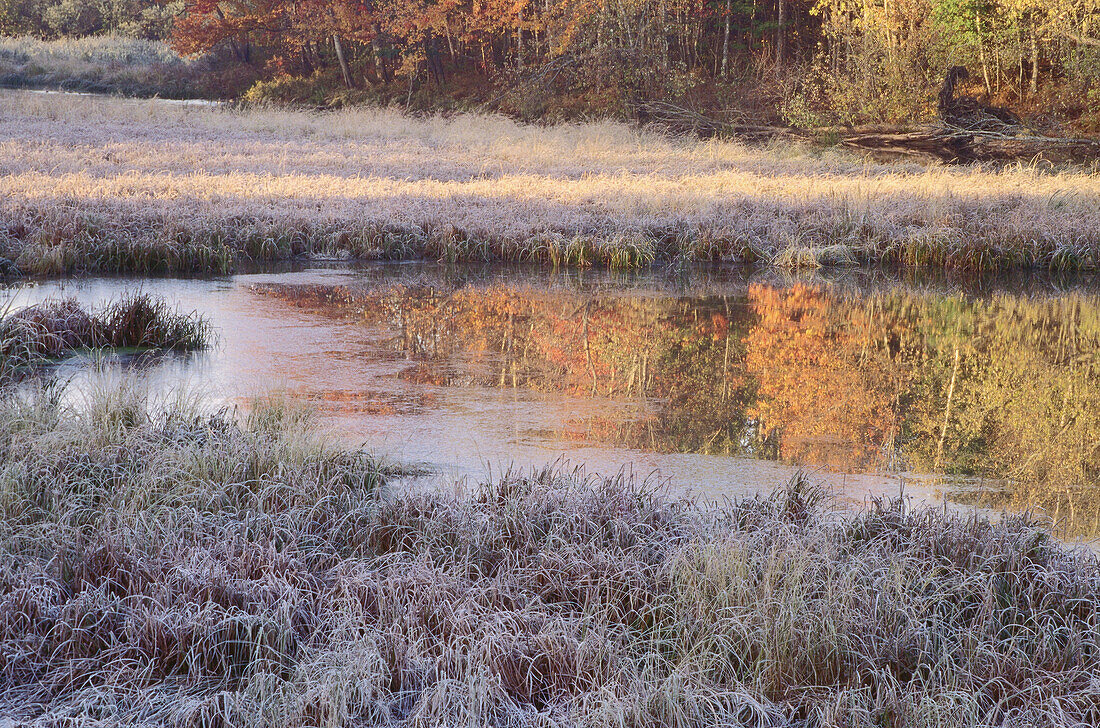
{"x": 33, "y": 335}
{"x": 153, "y": 187}
{"x": 168, "y": 561}
{"x": 164, "y": 564}
{"x": 106, "y": 64}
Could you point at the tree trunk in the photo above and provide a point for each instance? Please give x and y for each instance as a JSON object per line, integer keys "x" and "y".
{"x": 780, "y": 35}
{"x": 379, "y": 54}
{"x": 306, "y": 56}
{"x": 547, "y": 35}
{"x": 726, "y": 42}
{"x": 519, "y": 43}
{"x": 662, "y": 14}
{"x": 450, "y": 43}
{"x": 1034, "y": 87}
{"x": 981, "y": 53}
{"x": 343, "y": 61}
{"x": 889, "y": 30}
{"x": 434, "y": 60}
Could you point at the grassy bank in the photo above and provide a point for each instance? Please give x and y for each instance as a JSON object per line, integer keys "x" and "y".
{"x": 109, "y": 64}
{"x": 33, "y": 335}
{"x": 162, "y": 565}
{"x": 152, "y": 187}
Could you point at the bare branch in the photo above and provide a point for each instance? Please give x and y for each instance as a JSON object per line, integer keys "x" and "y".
{"x": 1082, "y": 39}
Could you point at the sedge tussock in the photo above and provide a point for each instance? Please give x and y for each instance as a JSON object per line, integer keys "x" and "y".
{"x": 173, "y": 567}
{"x": 52, "y": 329}
{"x": 154, "y": 187}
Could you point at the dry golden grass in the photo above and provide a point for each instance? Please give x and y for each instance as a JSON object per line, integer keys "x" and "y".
{"x": 76, "y": 57}
{"x": 109, "y": 184}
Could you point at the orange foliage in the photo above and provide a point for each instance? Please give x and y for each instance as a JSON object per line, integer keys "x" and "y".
{"x": 817, "y": 390}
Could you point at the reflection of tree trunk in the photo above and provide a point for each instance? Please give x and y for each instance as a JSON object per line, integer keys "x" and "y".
{"x": 506, "y": 354}
{"x": 725, "y": 372}
{"x": 588, "y": 351}
{"x": 726, "y": 355}
{"x": 947, "y": 410}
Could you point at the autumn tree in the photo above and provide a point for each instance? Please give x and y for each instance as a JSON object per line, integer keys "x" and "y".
{"x": 829, "y": 61}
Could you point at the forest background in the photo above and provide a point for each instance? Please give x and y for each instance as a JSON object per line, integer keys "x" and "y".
{"x": 801, "y": 63}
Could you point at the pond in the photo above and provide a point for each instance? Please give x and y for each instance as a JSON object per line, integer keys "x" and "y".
{"x": 720, "y": 383}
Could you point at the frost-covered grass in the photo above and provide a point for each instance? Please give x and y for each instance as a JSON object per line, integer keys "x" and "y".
{"x": 162, "y": 565}
{"x": 102, "y": 64}
{"x": 109, "y": 184}
{"x": 32, "y": 335}
{"x": 74, "y": 55}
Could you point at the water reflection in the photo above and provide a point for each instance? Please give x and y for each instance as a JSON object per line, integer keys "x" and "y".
{"x": 724, "y": 382}
{"x": 1001, "y": 386}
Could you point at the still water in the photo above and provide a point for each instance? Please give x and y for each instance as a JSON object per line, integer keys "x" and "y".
{"x": 719, "y": 383}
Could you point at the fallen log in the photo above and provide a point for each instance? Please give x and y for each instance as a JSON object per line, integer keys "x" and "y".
{"x": 953, "y": 145}
{"x": 970, "y": 132}
{"x": 676, "y": 119}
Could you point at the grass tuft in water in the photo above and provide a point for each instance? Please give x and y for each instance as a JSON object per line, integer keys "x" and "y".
{"x": 48, "y": 330}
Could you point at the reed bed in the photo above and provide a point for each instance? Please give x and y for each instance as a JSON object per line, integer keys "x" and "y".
{"x": 102, "y": 64}
{"x": 74, "y": 55}
{"x": 93, "y": 184}
{"x": 52, "y": 329}
{"x": 163, "y": 565}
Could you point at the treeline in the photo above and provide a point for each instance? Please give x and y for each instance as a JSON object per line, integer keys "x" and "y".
{"x": 145, "y": 19}
{"x": 806, "y": 62}
{"x": 812, "y": 62}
